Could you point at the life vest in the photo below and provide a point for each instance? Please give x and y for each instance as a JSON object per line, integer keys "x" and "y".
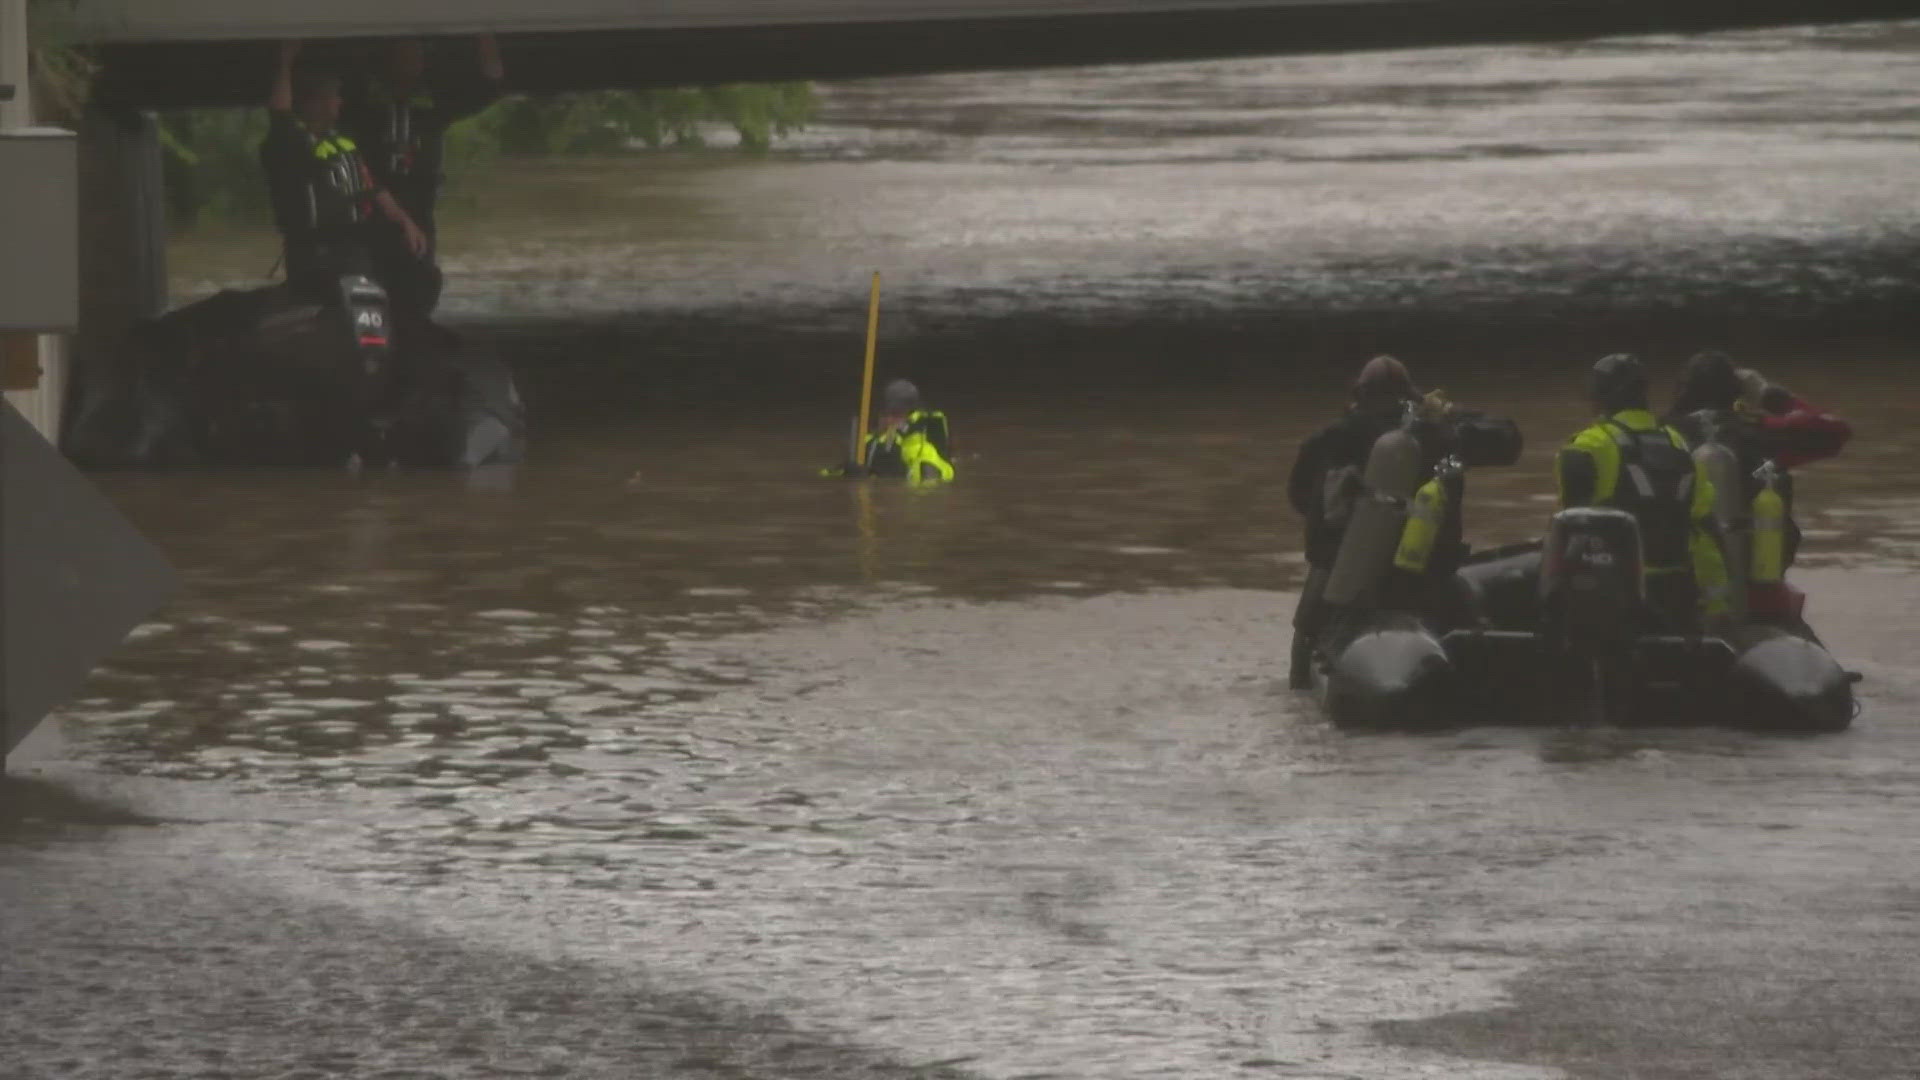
{"x": 339, "y": 187}
{"x": 912, "y": 451}
{"x": 401, "y": 134}
{"x": 1655, "y": 484}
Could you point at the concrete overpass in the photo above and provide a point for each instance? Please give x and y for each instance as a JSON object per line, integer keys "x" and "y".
{"x": 186, "y": 53}
{"x": 216, "y": 52}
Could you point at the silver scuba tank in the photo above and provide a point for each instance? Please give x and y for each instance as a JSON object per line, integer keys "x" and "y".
{"x": 1379, "y": 514}
{"x": 1732, "y": 513}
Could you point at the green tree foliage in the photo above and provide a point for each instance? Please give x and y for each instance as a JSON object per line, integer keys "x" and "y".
{"x": 213, "y": 169}
{"x": 60, "y": 70}
{"x": 211, "y": 164}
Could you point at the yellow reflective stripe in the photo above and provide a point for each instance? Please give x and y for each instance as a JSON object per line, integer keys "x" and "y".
{"x": 332, "y": 145}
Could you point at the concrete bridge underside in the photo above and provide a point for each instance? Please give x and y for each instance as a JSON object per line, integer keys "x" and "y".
{"x": 219, "y": 52}
{"x": 188, "y": 53}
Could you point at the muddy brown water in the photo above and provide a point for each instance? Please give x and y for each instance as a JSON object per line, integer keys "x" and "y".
{"x": 658, "y": 755}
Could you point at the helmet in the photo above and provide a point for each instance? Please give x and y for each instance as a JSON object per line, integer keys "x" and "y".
{"x": 1383, "y": 378}
{"x": 900, "y": 396}
{"x": 1618, "y": 381}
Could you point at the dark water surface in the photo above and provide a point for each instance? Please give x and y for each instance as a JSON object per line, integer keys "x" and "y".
{"x": 659, "y": 756}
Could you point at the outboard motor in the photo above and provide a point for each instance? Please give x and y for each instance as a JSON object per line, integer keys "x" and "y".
{"x": 367, "y": 310}
{"x": 1592, "y": 581}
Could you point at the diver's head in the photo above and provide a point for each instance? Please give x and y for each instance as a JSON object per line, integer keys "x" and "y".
{"x": 404, "y": 63}
{"x": 1617, "y": 382}
{"x": 898, "y": 400}
{"x": 1707, "y": 381}
{"x": 1383, "y": 380}
{"x": 316, "y": 98}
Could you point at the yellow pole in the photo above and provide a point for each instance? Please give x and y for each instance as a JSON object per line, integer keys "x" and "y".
{"x": 866, "y": 382}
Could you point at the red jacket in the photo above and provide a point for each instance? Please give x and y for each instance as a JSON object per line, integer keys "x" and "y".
{"x": 1793, "y": 432}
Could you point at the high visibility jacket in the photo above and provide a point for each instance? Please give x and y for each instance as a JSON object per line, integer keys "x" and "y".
{"x": 320, "y": 184}
{"x": 916, "y": 450}
{"x": 1638, "y": 465}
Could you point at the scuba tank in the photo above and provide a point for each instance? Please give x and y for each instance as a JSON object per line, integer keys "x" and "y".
{"x": 1366, "y": 550}
{"x": 1425, "y": 518}
{"x": 1769, "y": 565}
{"x": 1736, "y": 526}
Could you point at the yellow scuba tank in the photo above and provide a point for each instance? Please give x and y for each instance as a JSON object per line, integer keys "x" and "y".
{"x": 1424, "y": 518}
{"x": 1769, "y": 565}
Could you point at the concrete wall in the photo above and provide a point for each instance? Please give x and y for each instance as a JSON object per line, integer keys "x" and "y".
{"x": 217, "y": 20}
{"x": 123, "y": 253}
{"x": 43, "y": 404}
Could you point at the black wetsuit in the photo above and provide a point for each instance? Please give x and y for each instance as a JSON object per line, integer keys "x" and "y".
{"x": 323, "y": 204}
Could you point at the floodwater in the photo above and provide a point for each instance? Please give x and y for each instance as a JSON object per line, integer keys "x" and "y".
{"x": 659, "y": 756}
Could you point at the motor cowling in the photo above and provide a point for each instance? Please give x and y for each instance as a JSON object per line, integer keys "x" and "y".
{"x": 1592, "y": 579}
{"x": 1379, "y": 515}
{"x": 366, "y": 306}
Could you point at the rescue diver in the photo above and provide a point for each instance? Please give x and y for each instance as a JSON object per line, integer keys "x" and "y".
{"x": 326, "y": 202}
{"x": 400, "y": 125}
{"x": 1628, "y": 460}
{"x": 1326, "y": 482}
{"x": 1758, "y": 421}
{"x": 911, "y": 442}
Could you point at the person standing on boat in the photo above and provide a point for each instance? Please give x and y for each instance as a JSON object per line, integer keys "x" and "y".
{"x": 326, "y": 202}
{"x": 1758, "y": 421}
{"x": 1327, "y": 479}
{"x": 401, "y": 126}
{"x": 1628, "y": 460}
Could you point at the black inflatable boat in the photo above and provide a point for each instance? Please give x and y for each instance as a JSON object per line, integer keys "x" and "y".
{"x": 1520, "y": 637}
{"x": 262, "y": 378}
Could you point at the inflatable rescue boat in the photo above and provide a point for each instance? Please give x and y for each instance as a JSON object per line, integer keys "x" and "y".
{"x": 1517, "y": 634}
{"x": 262, "y": 378}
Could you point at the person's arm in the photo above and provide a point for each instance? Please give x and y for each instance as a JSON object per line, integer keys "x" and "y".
{"x": 491, "y": 68}
{"x": 416, "y": 240}
{"x": 283, "y": 154}
{"x": 1303, "y": 483}
{"x": 470, "y": 95}
{"x": 1484, "y": 441}
{"x": 942, "y": 436}
{"x": 1788, "y": 428}
{"x": 1575, "y": 476}
{"x": 280, "y": 98}
{"x": 1795, "y": 432}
